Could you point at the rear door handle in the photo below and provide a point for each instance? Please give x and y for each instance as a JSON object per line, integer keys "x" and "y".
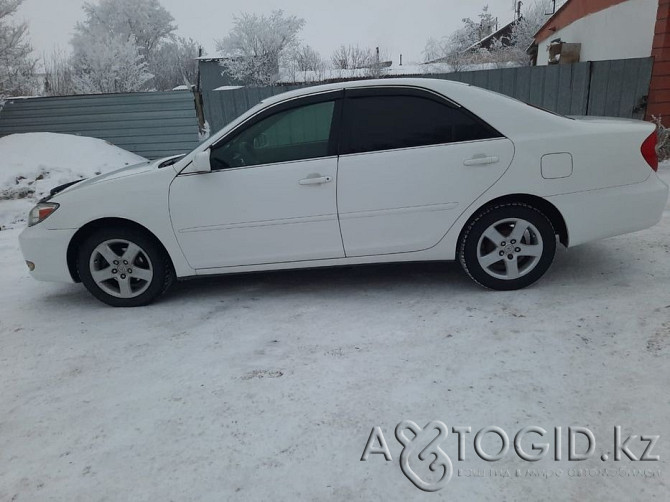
{"x": 481, "y": 160}
{"x": 315, "y": 179}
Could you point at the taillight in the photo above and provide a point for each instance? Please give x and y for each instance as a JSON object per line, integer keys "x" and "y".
{"x": 649, "y": 151}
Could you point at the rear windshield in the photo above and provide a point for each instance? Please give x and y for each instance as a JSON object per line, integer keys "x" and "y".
{"x": 537, "y": 107}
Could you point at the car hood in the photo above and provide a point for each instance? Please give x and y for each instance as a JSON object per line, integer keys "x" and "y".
{"x": 123, "y": 172}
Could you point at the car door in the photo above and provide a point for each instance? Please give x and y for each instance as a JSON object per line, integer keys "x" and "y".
{"x": 271, "y": 195}
{"x": 411, "y": 162}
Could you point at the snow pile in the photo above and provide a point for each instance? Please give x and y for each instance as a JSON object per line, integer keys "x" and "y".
{"x": 205, "y": 132}
{"x": 228, "y": 88}
{"x": 34, "y": 163}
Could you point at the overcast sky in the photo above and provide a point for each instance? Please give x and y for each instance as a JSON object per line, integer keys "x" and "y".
{"x": 397, "y": 26}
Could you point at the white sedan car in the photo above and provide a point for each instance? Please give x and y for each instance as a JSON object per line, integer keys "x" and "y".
{"x": 361, "y": 172}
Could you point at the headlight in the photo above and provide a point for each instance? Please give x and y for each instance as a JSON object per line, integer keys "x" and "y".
{"x": 41, "y": 212}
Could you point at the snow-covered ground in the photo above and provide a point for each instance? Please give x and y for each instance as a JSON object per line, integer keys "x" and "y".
{"x": 266, "y": 386}
{"x": 32, "y": 164}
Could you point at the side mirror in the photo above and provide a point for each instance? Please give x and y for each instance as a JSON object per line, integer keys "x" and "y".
{"x": 199, "y": 164}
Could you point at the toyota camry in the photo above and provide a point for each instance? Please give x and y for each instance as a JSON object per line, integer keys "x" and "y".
{"x": 391, "y": 170}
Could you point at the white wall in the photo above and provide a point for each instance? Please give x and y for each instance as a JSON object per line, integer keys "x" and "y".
{"x": 623, "y": 31}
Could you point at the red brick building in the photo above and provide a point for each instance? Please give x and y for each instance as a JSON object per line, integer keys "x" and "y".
{"x": 659, "y": 91}
{"x": 614, "y": 29}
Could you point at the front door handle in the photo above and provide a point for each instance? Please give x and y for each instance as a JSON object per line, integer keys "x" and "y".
{"x": 315, "y": 179}
{"x": 481, "y": 160}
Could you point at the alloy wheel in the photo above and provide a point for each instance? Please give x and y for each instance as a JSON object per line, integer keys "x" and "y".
{"x": 121, "y": 268}
{"x": 509, "y": 248}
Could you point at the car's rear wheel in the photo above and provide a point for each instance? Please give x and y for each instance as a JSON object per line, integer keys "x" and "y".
{"x": 124, "y": 267}
{"x": 508, "y": 246}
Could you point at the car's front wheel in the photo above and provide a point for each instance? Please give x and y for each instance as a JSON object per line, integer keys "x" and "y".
{"x": 124, "y": 267}
{"x": 508, "y": 246}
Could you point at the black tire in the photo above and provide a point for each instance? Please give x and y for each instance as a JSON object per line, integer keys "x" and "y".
{"x": 151, "y": 261}
{"x": 511, "y": 265}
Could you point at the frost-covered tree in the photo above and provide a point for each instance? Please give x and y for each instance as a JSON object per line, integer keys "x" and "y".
{"x": 256, "y": 44}
{"x": 108, "y": 64}
{"x": 514, "y": 50}
{"x": 457, "y": 52}
{"x": 146, "y": 21}
{"x": 116, "y": 42}
{"x": 436, "y": 49}
{"x": 58, "y": 73}
{"x": 444, "y": 57}
{"x": 306, "y": 58}
{"x": 17, "y": 68}
{"x": 532, "y": 19}
{"x": 454, "y": 49}
{"x": 174, "y": 63}
{"x": 473, "y": 31}
{"x": 304, "y": 62}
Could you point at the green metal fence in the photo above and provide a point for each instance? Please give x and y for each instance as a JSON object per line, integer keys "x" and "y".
{"x": 609, "y": 88}
{"x": 151, "y": 124}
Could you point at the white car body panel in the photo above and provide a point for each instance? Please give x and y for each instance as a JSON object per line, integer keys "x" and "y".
{"x": 390, "y": 209}
{"x": 259, "y": 214}
{"x": 48, "y": 250}
{"x": 136, "y": 194}
{"x": 400, "y": 201}
{"x": 612, "y": 211}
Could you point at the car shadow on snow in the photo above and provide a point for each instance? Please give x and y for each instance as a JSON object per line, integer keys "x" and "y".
{"x": 585, "y": 265}
{"x": 333, "y": 280}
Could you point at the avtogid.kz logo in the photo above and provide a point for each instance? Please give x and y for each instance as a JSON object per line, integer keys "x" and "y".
{"x": 424, "y": 445}
{"x": 426, "y": 464}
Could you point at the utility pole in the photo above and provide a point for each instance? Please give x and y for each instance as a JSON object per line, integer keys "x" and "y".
{"x": 197, "y": 97}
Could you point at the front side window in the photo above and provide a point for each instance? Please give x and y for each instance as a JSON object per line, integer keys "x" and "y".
{"x": 294, "y": 134}
{"x": 389, "y": 122}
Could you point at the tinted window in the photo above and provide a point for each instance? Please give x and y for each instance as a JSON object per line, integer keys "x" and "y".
{"x": 388, "y": 122}
{"x": 295, "y": 134}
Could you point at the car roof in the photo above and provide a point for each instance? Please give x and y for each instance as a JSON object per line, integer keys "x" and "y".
{"x": 511, "y": 117}
{"x": 439, "y": 85}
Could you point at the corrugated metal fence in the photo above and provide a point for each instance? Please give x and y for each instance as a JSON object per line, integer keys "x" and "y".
{"x": 151, "y": 124}
{"x": 159, "y": 124}
{"x": 616, "y": 88}
{"x": 222, "y": 107}
{"x": 612, "y": 88}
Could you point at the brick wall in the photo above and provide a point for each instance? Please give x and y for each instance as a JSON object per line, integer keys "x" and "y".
{"x": 659, "y": 91}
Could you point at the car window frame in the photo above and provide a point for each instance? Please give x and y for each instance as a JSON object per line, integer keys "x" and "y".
{"x": 405, "y": 91}
{"x": 337, "y": 96}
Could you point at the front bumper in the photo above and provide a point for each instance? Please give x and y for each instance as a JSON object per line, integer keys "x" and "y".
{"x": 47, "y": 249}
{"x": 607, "y": 212}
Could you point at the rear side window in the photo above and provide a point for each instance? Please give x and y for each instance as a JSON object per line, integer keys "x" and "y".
{"x": 389, "y": 122}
